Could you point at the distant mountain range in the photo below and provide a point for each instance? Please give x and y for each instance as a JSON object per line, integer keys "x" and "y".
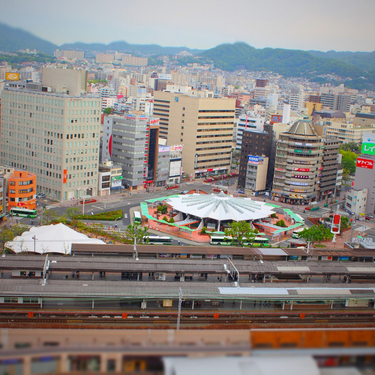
{"x": 121, "y": 46}
{"x": 12, "y": 40}
{"x": 359, "y": 66}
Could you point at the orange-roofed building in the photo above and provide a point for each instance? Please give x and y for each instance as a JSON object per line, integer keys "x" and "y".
{"x": 22, "y": 190}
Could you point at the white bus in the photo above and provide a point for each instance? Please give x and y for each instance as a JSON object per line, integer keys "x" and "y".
{"x": 296, "y": 232}
{"x": 137, "y": 217}
{"x": 156, "y": 240}
{"x": 299, "y": 219}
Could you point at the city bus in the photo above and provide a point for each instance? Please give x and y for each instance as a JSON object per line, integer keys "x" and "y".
{"x": 297, "y": 232}
{"x": 156, "y": 240}
{"x": 227, "y": 241}
{"x": 24, "y": 212}
{"x": 137, "y": 217}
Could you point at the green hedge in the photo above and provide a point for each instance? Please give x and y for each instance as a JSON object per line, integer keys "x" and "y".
{"x": 103, "y": 216}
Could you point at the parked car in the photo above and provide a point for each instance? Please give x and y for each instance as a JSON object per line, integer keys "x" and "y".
{"x": 40, "y": 195}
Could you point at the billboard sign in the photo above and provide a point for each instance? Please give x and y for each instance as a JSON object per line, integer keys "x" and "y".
{"x": 12, "y": 76}
{"x": 365, "y": 163}
{"x": 164, "y": 149}
{"x": 175, "y": 168}
{"x": 368, "y": 144}
{"x": 255, "y": 159}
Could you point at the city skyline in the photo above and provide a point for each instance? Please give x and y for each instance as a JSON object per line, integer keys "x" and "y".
{"x": 339, "y": 25}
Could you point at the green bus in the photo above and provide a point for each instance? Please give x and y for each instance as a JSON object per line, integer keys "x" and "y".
{"x": 223, "y": 240}
{"x": 137, "y": 217}
{"x": 24, "y": 212}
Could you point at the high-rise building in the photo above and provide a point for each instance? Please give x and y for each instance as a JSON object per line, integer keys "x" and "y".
{"x": 250, "y": 121}
{"x": 256, "y": 143}
{"x": 343, "y": 102}
{"x": 204, "y": 125}
{"x": 297, "y": 165}
{"x": 330, "y": 166}
{"x": 69, "y": 54}
{"x": 53, "y": 134}
{"x": 329, "y": 100}
{"x": 131, "y": 141}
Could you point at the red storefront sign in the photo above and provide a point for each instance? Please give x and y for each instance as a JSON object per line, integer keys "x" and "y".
{"x": 301, "y": 169}
{"x": 365, "y": 163}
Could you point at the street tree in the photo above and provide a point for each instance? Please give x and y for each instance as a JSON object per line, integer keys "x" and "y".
{"x": 71, "y": 213}
{"x": 316, "y": 234}
{"x": 49, "y": 217}
{"x": 5, "y": 236}
{"x": 135, "y": 231}
{"x": 240, "y": 232}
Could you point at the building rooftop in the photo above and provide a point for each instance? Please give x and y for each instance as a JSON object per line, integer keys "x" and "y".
{"x": 302, "y": 127}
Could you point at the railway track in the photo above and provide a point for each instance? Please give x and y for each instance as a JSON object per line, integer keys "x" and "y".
{"x": 226, "y": 320}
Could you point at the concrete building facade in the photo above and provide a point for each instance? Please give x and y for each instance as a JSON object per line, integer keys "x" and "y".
{"x": 356, "y": 201}
{"x": 55, "y": 136}
{"x": 297, "y": 165}
{"x": 203, "y": 125}
{"x": 330, "y": 166}
{"x": 256, "y": 143}
{"x": 365, "y": 179}
{"x": 131, "y": 141}
{"x": 256, "y": 173}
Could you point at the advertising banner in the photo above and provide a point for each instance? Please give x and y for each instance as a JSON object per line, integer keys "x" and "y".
{"x": 365, "y": 163}
{"x": 368, "y": 143}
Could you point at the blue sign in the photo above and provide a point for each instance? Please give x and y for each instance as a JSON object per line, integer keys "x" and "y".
{"x": 255, "y": 159}
{"x": 241, "y": 191}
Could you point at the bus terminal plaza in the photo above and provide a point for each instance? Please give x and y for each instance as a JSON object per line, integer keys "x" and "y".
{"x": 193, "y": 212}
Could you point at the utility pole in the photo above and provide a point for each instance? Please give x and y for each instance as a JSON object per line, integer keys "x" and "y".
{"x": 179, "y": 309}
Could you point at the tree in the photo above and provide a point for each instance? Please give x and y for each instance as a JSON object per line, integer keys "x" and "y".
{"x": 351, "y": 146}
{"x": 240, "y": 232}
{"x": 281, "y": 223}
{"x": 5, "y": 236}
{"x": 49, "y": 217}
{"x": 348, "y": 161}
{"x": 316, "y": 234}
{"x": 72, "y": 212}
{"x": 18, "y": 229}
{"x": 107, "y": 110}
{"x": 136, "y": 231}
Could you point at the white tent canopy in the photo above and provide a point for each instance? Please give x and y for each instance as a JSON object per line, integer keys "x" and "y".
{"x": 49, "y": 239}
{"x": 220, "y": 207}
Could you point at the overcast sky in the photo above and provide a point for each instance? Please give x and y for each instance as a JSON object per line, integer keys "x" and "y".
{"x": 341, "y": 25}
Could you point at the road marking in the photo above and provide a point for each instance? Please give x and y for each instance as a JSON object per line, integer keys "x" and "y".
{"x": 99, "y": 208}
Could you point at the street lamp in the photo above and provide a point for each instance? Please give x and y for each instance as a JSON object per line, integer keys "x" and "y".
{"x": 135, "y": 248}
{"x": 83, "y": 197}
{"x": 34, "y": 238}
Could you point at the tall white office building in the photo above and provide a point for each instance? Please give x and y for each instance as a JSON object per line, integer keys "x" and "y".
{"x": 53, "y": 130}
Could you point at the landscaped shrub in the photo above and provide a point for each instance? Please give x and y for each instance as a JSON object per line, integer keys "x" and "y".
{"x": 102, "y": 216}
{"x": 274, "y": 216}
{"x": 165, "y": 219}
{"x": 171, "y": 220}
{"x": 281, "y": 223}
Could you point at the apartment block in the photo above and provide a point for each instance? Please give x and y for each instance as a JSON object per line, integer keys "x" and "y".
{"x": 134, "y": 60}
{"x": 204, "y": 125}
{"x": 69, "y": 54}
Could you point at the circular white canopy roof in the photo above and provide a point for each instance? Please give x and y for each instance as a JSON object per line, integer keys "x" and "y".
{"x": 220, "y": 207}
